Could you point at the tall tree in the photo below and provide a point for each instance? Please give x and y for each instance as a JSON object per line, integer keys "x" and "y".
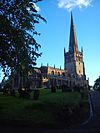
{"x": 18, "y": 47}
{"x": 97, "y": 84}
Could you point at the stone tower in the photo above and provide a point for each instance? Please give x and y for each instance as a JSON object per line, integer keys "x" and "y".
{"x": 73, "y": 59}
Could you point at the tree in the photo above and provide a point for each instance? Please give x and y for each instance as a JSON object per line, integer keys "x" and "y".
{"x": 97, "y": 84}
{"x": 18, "y": 47}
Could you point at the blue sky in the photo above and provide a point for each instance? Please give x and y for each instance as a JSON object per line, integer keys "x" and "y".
{"x": 55, "y": 34}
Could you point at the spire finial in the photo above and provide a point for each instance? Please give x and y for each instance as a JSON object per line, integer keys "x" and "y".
{"x": 64, "y": 51}
{"x": 47, "y": 64}
{"x": 82, "y": 50}
{"x": 72, "y": 24}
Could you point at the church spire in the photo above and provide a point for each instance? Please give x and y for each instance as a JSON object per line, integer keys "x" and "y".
{"x": 73, "y": 46}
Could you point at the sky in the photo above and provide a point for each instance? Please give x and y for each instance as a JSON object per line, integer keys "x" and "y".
{"x": 55, "y": 33}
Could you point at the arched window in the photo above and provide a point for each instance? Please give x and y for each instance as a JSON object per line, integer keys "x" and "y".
{"x": 52, "y": 72}
{"x": 79, "y": 71}
{"x": 63, "y": 74}
{"x": 58, "y": 73}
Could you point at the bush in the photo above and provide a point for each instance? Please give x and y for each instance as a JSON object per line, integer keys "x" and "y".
{"x": 67, "y": 114}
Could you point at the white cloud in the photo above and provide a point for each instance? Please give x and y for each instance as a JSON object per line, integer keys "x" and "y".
{"x": 71, "y": 4}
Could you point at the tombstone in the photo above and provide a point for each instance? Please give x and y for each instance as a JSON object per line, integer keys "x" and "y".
{"x": 36, "y": 94}
{"x": 53, "y": 89}
{"x": 12, "y": 92}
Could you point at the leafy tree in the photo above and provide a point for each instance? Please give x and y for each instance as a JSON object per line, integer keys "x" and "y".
{"x": 97, "y": 84}
{"x": 18, "y": 47}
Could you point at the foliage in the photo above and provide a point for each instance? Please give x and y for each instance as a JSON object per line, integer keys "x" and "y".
{"x": 18, "y": 47}
{"x": 97, "y": 84}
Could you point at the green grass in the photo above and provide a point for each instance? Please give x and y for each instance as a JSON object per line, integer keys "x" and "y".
{"x": 50, "y": 108}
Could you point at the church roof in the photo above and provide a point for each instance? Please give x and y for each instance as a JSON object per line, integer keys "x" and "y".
{"x": 73, "y": 45}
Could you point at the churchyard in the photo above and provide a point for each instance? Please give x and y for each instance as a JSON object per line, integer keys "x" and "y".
{"x": 51, "y": 109}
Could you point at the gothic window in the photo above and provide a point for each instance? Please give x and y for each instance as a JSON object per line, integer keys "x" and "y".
{"x": 63, "y": 74}
{"x": 58, "y": 73}
{"x": 52, "y": 72}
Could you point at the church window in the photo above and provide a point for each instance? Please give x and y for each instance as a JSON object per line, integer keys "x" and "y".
{"x": 58, "y": 73}
{"x": 63, "y": 74}
{"x": 52, "y": 72}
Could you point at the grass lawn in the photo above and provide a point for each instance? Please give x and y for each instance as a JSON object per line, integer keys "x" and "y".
{"x": 51, "y": 109}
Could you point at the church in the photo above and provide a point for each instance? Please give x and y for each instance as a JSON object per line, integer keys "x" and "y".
{"x": 73, "y": 73}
